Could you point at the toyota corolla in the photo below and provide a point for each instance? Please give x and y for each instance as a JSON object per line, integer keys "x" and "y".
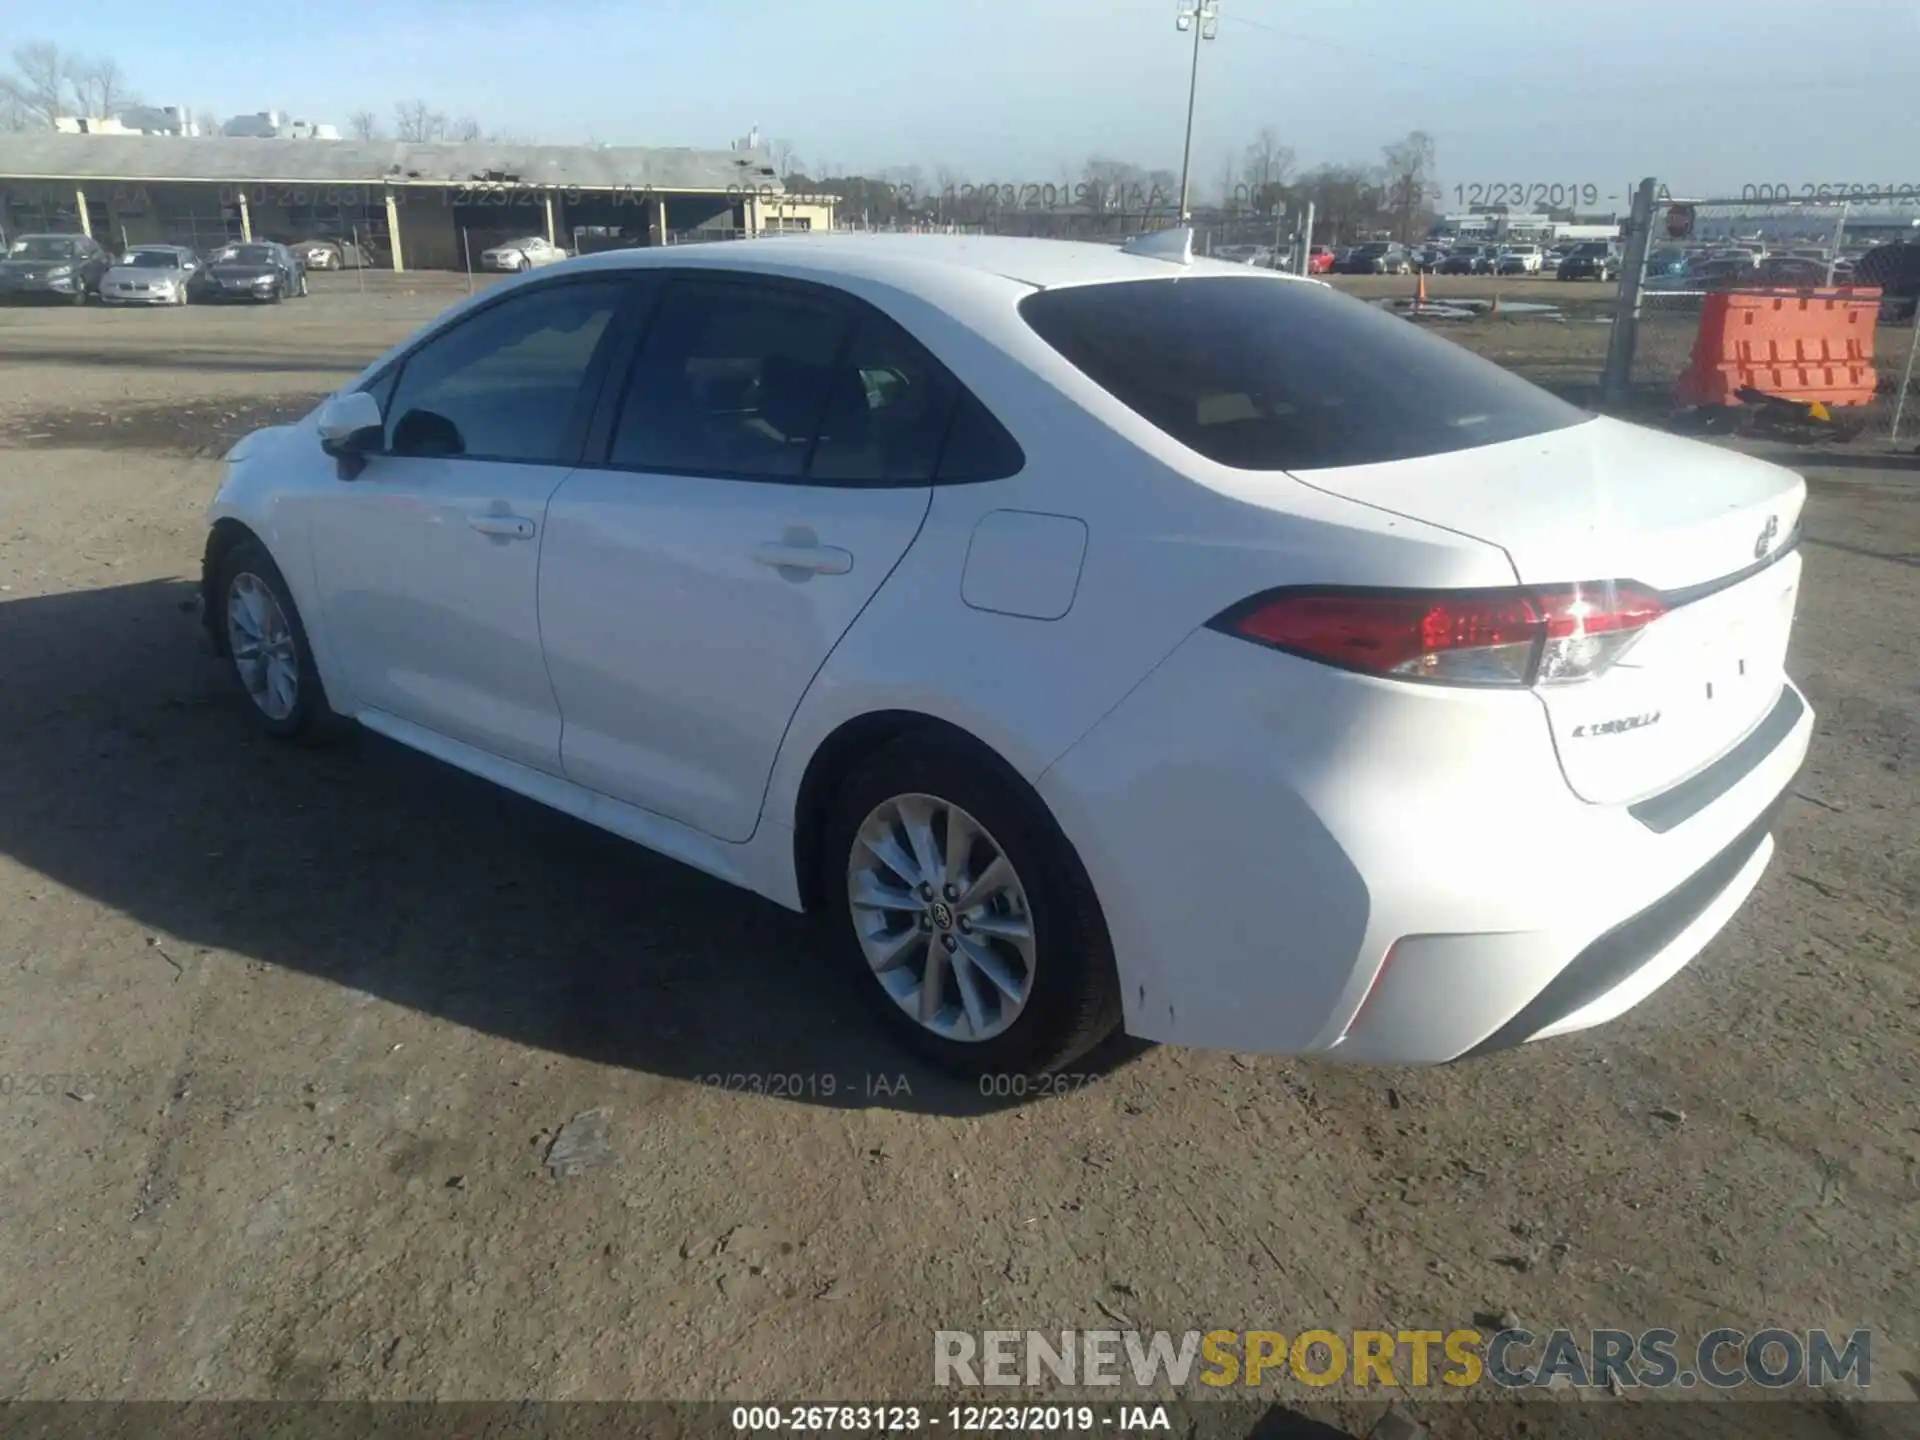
{"x": 1092, "y": 637}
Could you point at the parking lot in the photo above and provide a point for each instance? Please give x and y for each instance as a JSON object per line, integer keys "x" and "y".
{"x": 286, "y": 1034}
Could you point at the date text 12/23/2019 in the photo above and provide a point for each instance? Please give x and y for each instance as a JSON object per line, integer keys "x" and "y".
{"x": 950, "y": 1419}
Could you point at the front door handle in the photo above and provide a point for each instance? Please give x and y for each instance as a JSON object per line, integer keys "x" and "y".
{"x": 511, "y": 527}
{"x": 815, "y": 559}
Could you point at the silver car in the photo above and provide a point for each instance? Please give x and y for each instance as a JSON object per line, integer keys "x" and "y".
{"x": 525, "y": 253}
{"x": 151, "y": 275}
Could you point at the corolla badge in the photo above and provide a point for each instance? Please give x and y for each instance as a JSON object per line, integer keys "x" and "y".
{"x": 1765, "y": 542}
{"x": 1616, "y": 727}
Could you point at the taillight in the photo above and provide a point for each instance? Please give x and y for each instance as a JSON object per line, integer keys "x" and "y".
{"x": 1533, "y": 636}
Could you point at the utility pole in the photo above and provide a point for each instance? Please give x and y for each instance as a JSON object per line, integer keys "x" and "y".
{"x": 1203, "y": 18}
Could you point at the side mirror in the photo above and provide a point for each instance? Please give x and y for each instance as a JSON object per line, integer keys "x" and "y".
{"x": 350, "y": 424}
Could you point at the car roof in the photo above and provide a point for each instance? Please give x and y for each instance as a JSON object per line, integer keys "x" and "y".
{"x": 927, "y": 264}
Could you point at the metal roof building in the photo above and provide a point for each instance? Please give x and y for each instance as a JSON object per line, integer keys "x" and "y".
{"x": 410, "y": 204}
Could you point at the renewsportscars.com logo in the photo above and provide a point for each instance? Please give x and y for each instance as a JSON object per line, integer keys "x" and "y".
{"x": 1513, "y": 1359}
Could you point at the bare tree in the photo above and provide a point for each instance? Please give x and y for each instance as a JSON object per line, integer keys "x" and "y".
{"x": 465, "y": 130}
{"x": 415, "y": 122}
{"x": 786, "y": 160}
{"x": 1409, "y": 172}
{"x": 13, "y": 114}
{"x": 1269, "y": 165}
{"x": 100, "y": 86}
{"x": 1112, "y": 184}
{"x": 363, "y": 125}
{"x": 206, "y": 121}
{"x": 1231, "y": 195}
{"x": 36, "y": 86}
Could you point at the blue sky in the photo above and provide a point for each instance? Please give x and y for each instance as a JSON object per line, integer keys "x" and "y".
{"x": 1708, "y": 94}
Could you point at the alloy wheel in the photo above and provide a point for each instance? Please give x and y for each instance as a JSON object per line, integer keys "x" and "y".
{"x": 261, "y": 643}
{"x": 942, "y": 917}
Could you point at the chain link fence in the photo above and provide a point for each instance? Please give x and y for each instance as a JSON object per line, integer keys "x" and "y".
{"x": 1760, "y": 244}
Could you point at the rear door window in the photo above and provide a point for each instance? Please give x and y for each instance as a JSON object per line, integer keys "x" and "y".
{"x": 1269, "y": 374}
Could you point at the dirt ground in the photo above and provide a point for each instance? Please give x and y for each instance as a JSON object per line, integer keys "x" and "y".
{"x": 286, "y": 1034}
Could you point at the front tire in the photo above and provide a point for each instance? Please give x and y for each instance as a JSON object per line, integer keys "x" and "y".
{"x": 964, "y": 915}
{"x": 267, "y": 649}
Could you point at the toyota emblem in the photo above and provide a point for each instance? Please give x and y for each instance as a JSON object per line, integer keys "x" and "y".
{"x": 1765, "y": 542}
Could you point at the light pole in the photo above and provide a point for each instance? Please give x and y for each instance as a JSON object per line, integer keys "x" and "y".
{"x": 1203, "y": 18}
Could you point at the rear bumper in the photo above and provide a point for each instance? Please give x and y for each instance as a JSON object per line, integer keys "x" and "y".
{"x": 1297, "y": 860}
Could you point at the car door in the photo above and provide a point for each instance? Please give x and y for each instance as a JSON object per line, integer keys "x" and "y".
{"x": 428, "y": 559}
{"x": 768, "y": 457}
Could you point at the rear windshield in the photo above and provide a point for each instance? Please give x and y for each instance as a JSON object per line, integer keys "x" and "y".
{"x": 1269, "y": 374}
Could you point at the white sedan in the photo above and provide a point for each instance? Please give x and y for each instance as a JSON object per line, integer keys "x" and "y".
{"x": 529, "y": 252}
{"x": 1091, "y": 636}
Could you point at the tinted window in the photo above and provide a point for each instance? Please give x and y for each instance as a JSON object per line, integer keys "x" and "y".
{"x": 978, "y": 447}
{"x": 505, "y": 384}
{"x": 1267, "y": 374}
{"x": 888, "y": 408}
{"x": 733, "y": 379}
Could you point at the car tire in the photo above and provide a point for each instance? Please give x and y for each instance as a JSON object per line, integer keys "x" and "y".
{"x": 80, "y": 295}
{"x": 255, "y": 605}
{"x": 1068, "y": 995}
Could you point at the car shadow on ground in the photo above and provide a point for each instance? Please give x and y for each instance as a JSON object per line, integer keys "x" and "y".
{"x": 132, "y": 774}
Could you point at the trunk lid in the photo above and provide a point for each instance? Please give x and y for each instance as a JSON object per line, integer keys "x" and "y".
{"x": 1604, "y": 500}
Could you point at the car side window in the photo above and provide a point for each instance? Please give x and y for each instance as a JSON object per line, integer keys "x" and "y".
{"x": 732, "y": 380}
{"x": 506, "y": 383}
{"x": 888, "y": 409}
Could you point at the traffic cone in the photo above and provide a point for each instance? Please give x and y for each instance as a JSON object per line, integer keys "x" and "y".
{"x": 1420, "y": 296}
{"x": 1496, "y": 303}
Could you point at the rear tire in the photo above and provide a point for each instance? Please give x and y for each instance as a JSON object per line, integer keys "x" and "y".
{"x": 1067, "y": 997}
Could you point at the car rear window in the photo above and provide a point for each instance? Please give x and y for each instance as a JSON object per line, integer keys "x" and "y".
{"x": 1268, "y": 374}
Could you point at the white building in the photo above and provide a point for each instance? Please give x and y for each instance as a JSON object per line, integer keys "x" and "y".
{"x": 272, "y": 125}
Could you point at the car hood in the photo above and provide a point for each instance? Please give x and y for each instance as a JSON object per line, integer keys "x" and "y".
{"x": 31, "y": 267}
{"x": 241, "y": 272}
{"x": 144, "y": 272}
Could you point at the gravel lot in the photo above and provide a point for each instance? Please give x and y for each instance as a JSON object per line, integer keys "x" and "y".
{"x": 286, "y": 1035}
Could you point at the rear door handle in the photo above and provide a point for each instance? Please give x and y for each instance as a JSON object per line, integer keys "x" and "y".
{"x": 513, "y": 527}
{"x": 818, "y": 559}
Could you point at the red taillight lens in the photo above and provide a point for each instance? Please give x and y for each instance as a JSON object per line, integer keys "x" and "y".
{"x": 1457, "y": 637}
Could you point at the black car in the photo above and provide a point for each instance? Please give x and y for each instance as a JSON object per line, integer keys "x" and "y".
{"x": 253, "y": 270}
{"x": 1468, "y": 260}
{"x": 1378, "y": 258}
{"x": 53, "y": 267}
{"x": 1595, "y": 260}
{"x": 1894, "y": 268}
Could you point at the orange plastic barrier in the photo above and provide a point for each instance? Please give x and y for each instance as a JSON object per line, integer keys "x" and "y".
{"x": 1797, "y": 344}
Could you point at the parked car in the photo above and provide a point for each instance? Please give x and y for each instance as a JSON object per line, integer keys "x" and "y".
{"x": 1591, "y": 260}
{"x": 1550, "y": 259}
{"x": 1320, "y": 260}
{"x": 1054, "y": 748}
{"x": 152, "y": 275}
{"x": 329, "y": 254}
{"x": 1518, "y": 260}
{"x": 53, "y": 267}
{"x": 1796, "y": 272}
{"x": 1377, "y": 258}
{"x": 1468, "y": 260}
{"x": 526, "y": 253}
{"x": 1669, "y": 260}
{"x": 1426, "y": 259}
{"x": 254, "y": 270}
{"x": 1895, "y": 269}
